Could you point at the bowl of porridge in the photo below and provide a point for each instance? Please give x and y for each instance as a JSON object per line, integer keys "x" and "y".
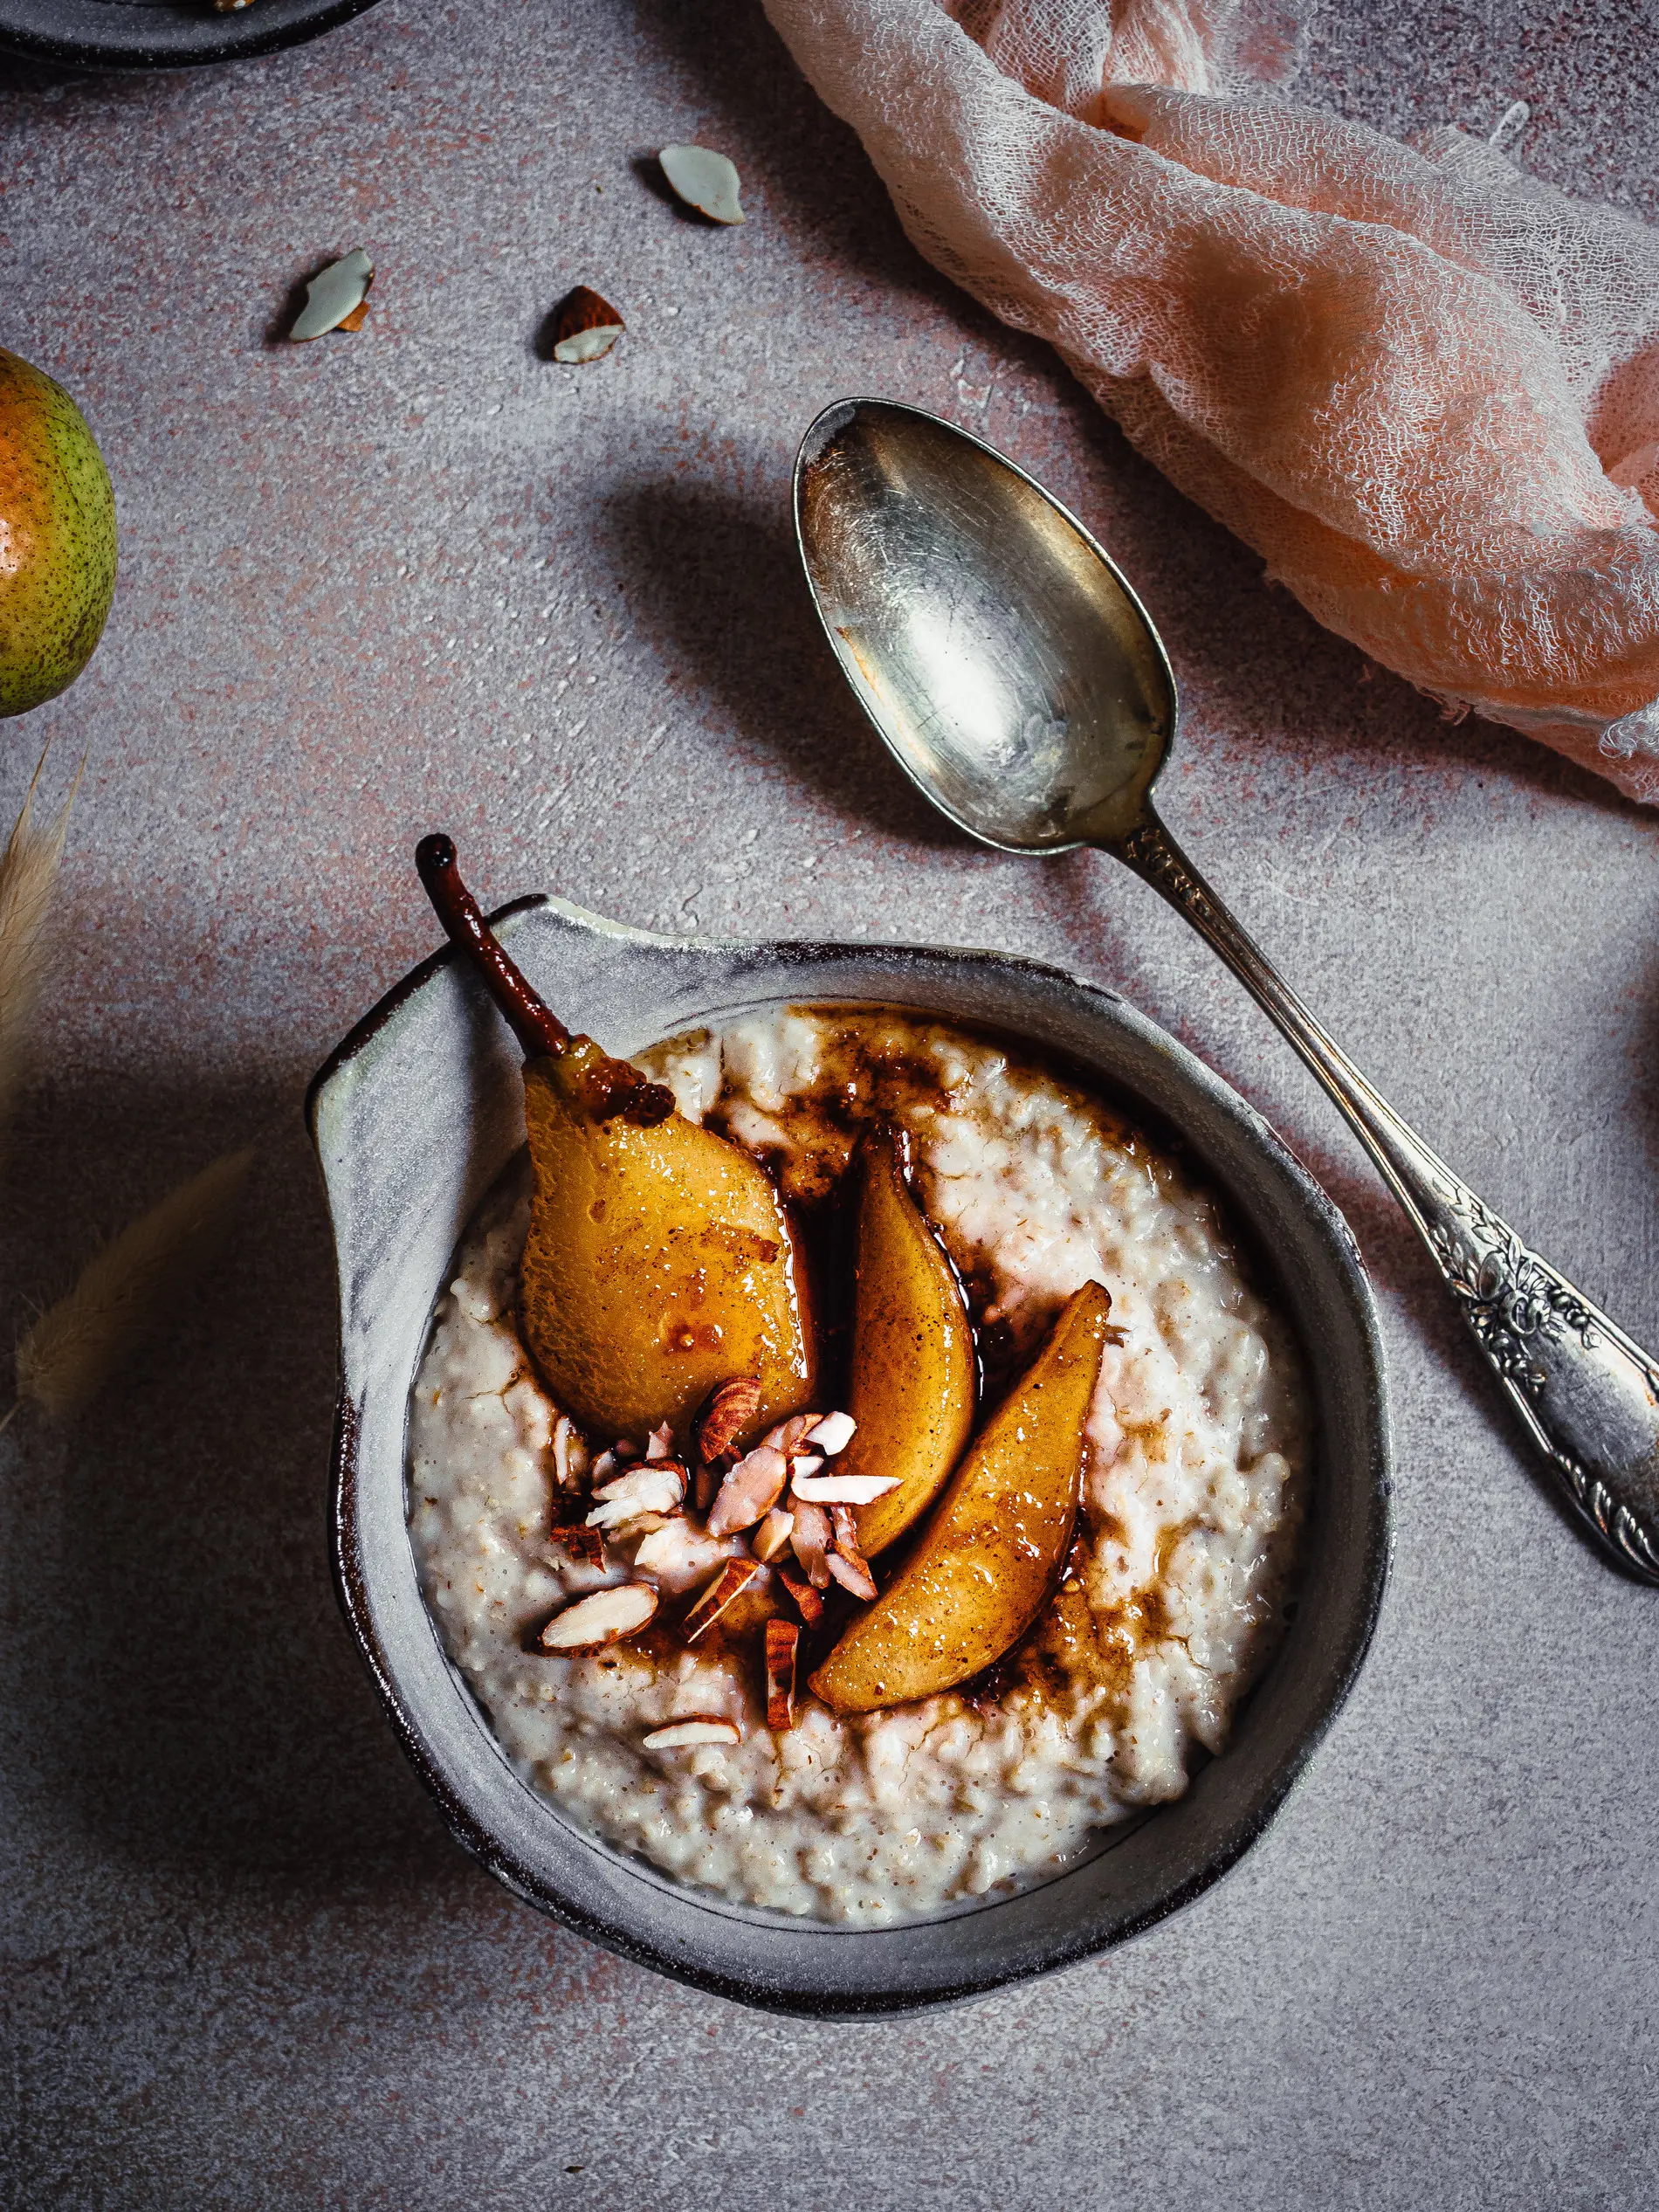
{"x": 927, "y": 1558}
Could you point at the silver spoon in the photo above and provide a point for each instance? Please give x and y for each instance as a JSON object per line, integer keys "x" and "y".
{"x": 1021, "y": 685}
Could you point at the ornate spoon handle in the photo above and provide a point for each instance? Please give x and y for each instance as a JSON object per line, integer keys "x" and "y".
{"x": 1586, "y": 1395}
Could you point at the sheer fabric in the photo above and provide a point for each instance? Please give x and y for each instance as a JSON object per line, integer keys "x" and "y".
{"x": 1424, "y": 388}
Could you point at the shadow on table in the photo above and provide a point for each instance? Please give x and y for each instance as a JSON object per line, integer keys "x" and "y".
{"x": 181, "y": 1690}
{"x": 713, "y": 577}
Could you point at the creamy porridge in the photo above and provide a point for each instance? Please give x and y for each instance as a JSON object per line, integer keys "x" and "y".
{"x": 1175, "y": 1583}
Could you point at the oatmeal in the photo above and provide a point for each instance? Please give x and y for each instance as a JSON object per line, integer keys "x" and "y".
{"x": 1173, "y": 1589}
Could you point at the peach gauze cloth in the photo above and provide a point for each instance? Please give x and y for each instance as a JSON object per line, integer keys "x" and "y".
{"x": 1423, "y": 387}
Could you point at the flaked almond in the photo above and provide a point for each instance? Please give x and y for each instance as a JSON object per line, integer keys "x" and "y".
{"x": 726, "y": 1413}
{"x": 804, "y": 1462}
{"x": 805, "y": 1596}
{"x": 696, "y": 1728}
{"x": 705, "y": 179}
{"x": 753, "y": 1486}
{"x": 586, "y": 326}
{"x": 643, "y": 1491}
{"x": 333, "y": 296}
{"x": 585, "y": 1546}
{"x": 843, "y": 1490}
{"x": 671, "y": 1552}
{"x": 730, "y": 1582}
{"x": 851, "y": 1575}
{"x": 812, "y": 1537}
{"x": 771, "y": 1538}
{"x": 782, "y": 1641}
{"x": 660, "y": 1443}
{"x": 833, "y": 1434}
{"x": 603, "y": 1619}
{"x": 790, "y": 1436}
{"x": 847, "y": 1563}
{"x": 570, "y": 1454}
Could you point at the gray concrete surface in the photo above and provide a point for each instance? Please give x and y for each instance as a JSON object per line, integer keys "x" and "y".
{"x": 423, "y": 577}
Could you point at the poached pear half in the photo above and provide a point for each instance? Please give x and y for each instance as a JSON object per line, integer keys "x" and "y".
{"x": 988, "y": 1561}
{"x": 660, "y": 1262}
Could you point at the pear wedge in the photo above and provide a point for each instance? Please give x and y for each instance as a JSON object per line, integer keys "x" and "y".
{"x": 660, "y": 1262}
{"x": 912, "y": 1386}
{"x": 991, "y": 1555}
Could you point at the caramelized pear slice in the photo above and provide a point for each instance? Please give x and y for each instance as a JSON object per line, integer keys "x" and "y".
{"x": 660, "y": 1262}
{"x": 993, "y": 1552}
{"x": 912, "y": 1354}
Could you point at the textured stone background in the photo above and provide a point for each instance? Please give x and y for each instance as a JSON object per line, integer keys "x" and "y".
{"x": 423, "y": 577}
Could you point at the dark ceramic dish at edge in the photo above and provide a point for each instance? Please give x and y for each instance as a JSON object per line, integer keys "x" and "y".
{"x": 161, "y": 34}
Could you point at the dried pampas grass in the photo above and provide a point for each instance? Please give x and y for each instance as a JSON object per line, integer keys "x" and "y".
{"x": 28, "y": 878}
{"x": 127, "y": 1290}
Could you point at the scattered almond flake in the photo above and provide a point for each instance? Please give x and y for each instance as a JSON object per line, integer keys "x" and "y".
{"x": 660, "y": 1443}
{"x": 643, "y": 1491}
{"x": 833, "y": 1434}
{"x": 788, "y": 1437}
{"x": 805, "y": 1596}
{"x": 731, "y": 1581}
{"x": 851, "y": 1576}
{"x": 696, "y": 1728}
{"x": 782, "y": 1641}
{"x": 843, "y": 1490}
{"x": 705, "y": 179}
{"x": 586, "y": 326}
{"x": 812, "y": 1537}
{"x": 602, "y": 1618}
{"x": 752, "y": 1488}
{"x": 726, "y": 1413}
{"x": 332, "y": 294}
{"x": 772, "y": 1537}
{"x": 847, "y": 1563}
{"x": 804, "y": 1462}
{"x": 659, "y": 1547}
{"x": 650, "y": 1477}
{"x": 569, "y": 1453}
{"x": 604, "y": 1467}
{"x": 586, "y": 1545}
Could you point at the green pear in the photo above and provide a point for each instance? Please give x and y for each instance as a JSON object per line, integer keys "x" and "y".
{"x": 56, "y": 538}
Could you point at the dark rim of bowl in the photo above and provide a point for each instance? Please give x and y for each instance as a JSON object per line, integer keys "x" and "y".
{"x": 527, "y": 1885}
{"x": 241, "y": 35}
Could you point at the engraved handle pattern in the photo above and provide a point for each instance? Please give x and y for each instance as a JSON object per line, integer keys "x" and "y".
{"x": 1585, "y": 1394}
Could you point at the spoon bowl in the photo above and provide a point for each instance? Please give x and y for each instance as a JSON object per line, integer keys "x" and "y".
{"x": 1021, "y": 685}
{"x": 1000, "y": 652}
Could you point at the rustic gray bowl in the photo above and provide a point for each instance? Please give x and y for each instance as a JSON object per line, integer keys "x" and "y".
{"x": 161, "y": 34}
{"x": 414, "y": 1118}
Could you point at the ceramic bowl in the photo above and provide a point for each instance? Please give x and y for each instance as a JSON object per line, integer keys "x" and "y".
{"x": 161, "y": 34}
{"x": 415, "y": 1117}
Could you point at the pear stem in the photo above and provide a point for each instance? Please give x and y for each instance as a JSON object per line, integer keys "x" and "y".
{"x": 541, "y": 1033}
